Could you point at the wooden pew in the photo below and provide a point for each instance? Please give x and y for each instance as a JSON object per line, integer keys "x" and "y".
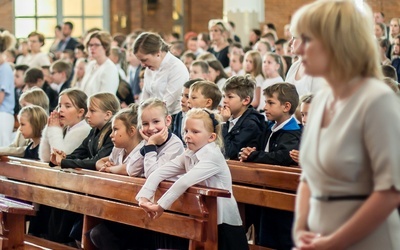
{"x": 264, "y": 185}
{"x": 12, "y": 223}
{"x": 106, "y": 196}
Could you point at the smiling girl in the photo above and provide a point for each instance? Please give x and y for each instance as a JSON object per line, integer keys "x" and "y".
{"x": 66, "y": 127}
{"x": 161, "y": 145}
{"x": 203, "y": 163}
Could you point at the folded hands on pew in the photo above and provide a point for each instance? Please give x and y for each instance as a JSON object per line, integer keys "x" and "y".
{"x": 153, "y": 210}
{"x": 57, "y": 156}
{"x": 245, "y": 152}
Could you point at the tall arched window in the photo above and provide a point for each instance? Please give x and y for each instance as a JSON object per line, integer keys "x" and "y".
{"x": 44, "y": 15}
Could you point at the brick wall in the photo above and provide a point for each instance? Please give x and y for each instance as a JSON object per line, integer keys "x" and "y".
{"x": 7, "y": 15}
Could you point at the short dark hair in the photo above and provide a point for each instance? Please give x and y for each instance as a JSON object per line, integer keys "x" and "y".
{"x": 243, "y": 86}
{"x": 280, "y": 41}
{"x": 286, "y": 92}
{"x": 71, "y": 26}
{"x": 32, "y": 75}
{"x": 22, "y": 67}
{"x": 389, "y": 71}
{"x": 191, "y": 82}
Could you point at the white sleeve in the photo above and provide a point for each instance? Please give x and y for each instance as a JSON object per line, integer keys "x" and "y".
{"x": 44, "y": 148}
{"x": 170, "y": 169}
{"x": 109, "y": 79}
{"x": 152, "y": 160}
{"x": 203, "y": 170}
{"x": 176, "y": 78}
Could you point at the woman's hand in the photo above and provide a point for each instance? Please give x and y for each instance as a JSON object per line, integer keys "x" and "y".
{"x": 294, "y": 154}
{"x": 245, "y": 153}
{"x": 312, "y": 241}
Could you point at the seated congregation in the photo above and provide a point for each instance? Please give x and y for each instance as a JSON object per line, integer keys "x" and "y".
{"x": 219, "y": 116}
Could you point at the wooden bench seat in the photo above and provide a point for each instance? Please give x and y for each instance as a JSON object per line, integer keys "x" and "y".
{"x": 112, "y": 197}
{"x": 12, "y": 223}
{"x": 264, "y": 185}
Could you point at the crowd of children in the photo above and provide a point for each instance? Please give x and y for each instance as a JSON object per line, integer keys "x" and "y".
{"x": 184, "y": 113}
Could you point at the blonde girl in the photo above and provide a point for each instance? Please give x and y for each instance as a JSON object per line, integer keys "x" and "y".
{"x": 102, "y": 107}
{"x": 66, "y": 127}
{"x": 161, "y": 145}
{"x": 273, "y": 70}
{"x": 252, "y": 65}
{"x": 203, "y": 163}
{"x": 127, "y": 144}
{"x": 79, "y": 70}
{"x": 34, "y": 96}
{"x": 32, "y": 120}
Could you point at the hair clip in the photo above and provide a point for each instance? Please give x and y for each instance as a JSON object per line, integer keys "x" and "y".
{"x": 212, "y": 117}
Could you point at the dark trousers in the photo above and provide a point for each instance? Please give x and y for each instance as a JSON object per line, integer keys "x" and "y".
{"x": 112, "y": 235}
{"x": 231, "y": 237}
{"x": 276, "y": 229}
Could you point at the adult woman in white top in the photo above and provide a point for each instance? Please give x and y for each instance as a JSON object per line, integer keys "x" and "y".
{"x": 36, "y": 58}
{"x": 350, "y": 185}
{"x": 164, "y": 75}
{"x": 101, "y": 75}
{"x": 305, "y": 84}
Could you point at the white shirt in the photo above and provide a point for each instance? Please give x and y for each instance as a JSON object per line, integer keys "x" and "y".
{"x": 100, "y": 78}
{"x": 206, "y": 167}
{"x": 265, "y": 84}
{"x": 166, "y": 83}
{"x": 307, "y": 84}
{"x": 53, "y": 138}
{"x": 38, "y": 60}
{"x": 134, "y": 161}
{"x": 153, "y": 160}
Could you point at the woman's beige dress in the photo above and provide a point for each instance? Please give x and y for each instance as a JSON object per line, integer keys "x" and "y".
{"x": 358, "y": 153}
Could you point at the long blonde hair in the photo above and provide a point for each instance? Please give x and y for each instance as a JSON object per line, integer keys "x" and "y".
{"x": 346, "y": 33}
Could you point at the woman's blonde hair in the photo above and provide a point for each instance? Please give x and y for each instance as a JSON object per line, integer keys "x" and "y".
{"x": 346, "y": 32}
{"x": 212, "y": 122}
{"x": 36, "y": 96}
{"x": 37, "y": 118}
